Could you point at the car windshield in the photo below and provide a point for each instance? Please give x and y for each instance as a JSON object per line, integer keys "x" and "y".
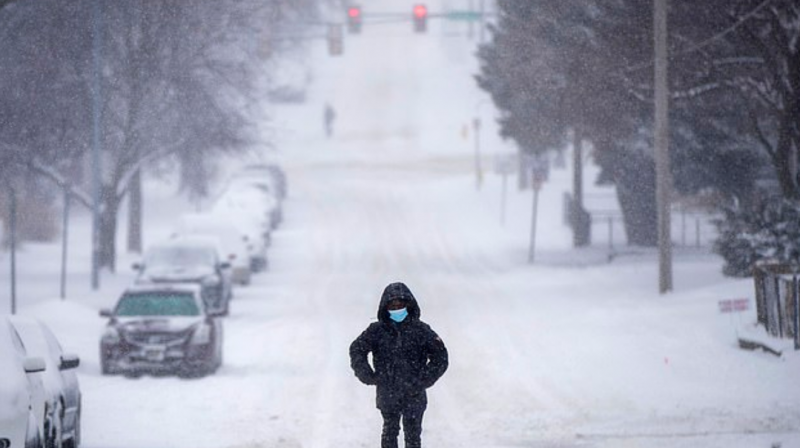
{"x": 180, "y": 256}
{"x": 159, "y": 303}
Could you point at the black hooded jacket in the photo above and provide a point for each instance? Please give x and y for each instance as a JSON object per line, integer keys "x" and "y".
{"x": 408, "y": 357}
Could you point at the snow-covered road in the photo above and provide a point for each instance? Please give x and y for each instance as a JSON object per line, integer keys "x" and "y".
{"x": 551, "y": 355}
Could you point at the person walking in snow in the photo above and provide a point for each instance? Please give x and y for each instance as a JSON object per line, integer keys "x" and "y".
{"x": 330, "y": 117}
{"x": 408, "y": 357}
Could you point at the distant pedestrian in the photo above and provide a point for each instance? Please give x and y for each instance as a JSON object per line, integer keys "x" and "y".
{"x": 407, "y": 358}
{"x": 330, "y": 117}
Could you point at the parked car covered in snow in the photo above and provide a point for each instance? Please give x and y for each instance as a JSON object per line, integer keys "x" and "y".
{"x": 62, "y": 391}
{"x": 255, "y": 195}
{"x": 161, "y": 329}
{"x": 232, "y": 241}
{"x": 190, "y": 259}
{"x": 22, "y": 396}
{"x": 244, "y": 209}
{"x": 274, "y": 173}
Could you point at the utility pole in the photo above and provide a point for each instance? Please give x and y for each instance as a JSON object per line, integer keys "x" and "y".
{"x": 579, "y": 237}
{"x": 135, "y": 213}
{"x": 13, "y": 247}
{"x": 476, "y": 126}
{"x": 470, "y": 23}
{"x": 537, "y": 185}
{"x": 64, "y": 245}
{"x": 661, "y": 139}
{"x": 482, "y": 29}
{"x": 96, "y": 142}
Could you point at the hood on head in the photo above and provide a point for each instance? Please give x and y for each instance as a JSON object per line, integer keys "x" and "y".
{"x": 398, "y": 291}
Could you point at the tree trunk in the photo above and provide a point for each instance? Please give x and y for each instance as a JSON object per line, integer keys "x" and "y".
{"x": 636, "y": 190}
{"x": 785, "y": 161}
{"x": 108, "y": 229}
{"x": 135, "y": 213}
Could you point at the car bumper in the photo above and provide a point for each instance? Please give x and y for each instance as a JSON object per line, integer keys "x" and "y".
{"x": 154, "y": 359}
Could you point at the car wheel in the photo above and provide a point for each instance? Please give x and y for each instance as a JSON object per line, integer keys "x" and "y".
{"x": 52, "y": 432}
{"x": 218, "y": 356}
{"x": 32, "y": 437}
{"x": 75, "y": 441}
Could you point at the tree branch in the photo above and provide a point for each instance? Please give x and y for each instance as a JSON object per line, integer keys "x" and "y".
{"x": 59, "y": 179}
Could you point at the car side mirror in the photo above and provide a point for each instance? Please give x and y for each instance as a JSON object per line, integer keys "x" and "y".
{"x": 34, "y": 365}
{"x": 69, "y": 361}
{"x": 105, "y": 312}
{"x": 225, "y": 265}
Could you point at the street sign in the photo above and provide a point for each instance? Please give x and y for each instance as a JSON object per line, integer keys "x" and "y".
{"x": 540, "y": 167}
{"x": 539, "y": 164}
{"x": 733, "y": 305}
{"x": 505, "y": 163}
{"x": 466, "y": 16}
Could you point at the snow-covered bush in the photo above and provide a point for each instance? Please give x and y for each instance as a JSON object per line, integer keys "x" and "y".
{"x": 769, "y": 233}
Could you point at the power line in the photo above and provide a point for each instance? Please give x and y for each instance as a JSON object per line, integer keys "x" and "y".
{"x": 699, "y": 46}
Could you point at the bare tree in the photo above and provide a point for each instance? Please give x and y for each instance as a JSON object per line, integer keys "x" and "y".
{"x": 178, "y": 81}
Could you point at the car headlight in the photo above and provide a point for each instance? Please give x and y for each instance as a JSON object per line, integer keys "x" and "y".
{"x": 111, "y": 336}
{"x": 201, "y": 335}
{"x": 211, "y": 280}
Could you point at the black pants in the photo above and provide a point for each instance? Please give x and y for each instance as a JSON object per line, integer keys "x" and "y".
{"x": 412, "y": 427}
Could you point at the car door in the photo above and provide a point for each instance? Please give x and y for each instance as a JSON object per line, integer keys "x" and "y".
{"x": 71, "y": 391}
{"x": 36, "y": 387}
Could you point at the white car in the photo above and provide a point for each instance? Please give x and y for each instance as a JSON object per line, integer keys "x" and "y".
{"x": 62, "y": 391}
{"x": 268, "y": 189}
{"x": 255, "y": 196}
{"x": 243, "y": 208}
{"x": 232, "y": 241}
{"x": 190, "y": 259}
{"x": 273, "y": 172}
{"x": 22, "y": 395}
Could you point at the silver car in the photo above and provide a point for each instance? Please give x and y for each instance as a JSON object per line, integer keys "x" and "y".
{"x": 62, "y": 391}
{"x": 22, "y": 396}
{"x": 161, "y": 329}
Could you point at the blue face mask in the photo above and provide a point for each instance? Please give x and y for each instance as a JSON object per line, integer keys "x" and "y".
{"x": 398, "y": 315}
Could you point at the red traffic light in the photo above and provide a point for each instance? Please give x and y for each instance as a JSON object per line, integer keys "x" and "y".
{"x": 354, "y": 19}
{"x": 420, "y": 14}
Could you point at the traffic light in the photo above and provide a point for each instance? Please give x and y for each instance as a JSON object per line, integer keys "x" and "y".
{"x": 420, "y": 15}
{"x": 354, "y": 19}
{"x": 335, "y": 40}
